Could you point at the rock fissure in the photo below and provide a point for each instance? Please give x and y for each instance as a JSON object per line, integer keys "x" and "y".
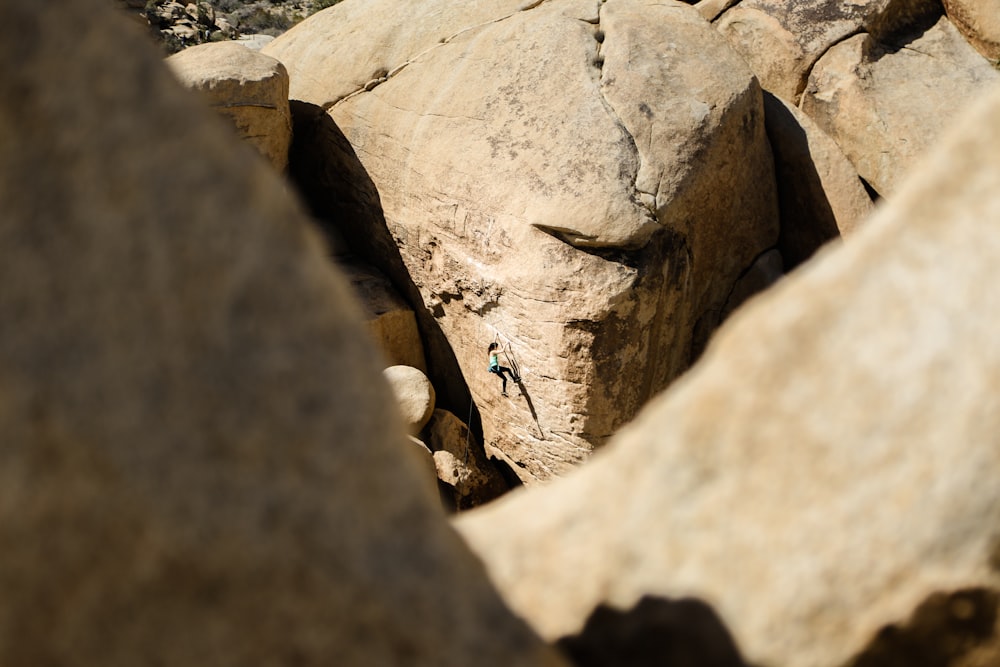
{"x": 600, "y": 35}
{"x": 804, "y": 82}
{"x": 378, "y": 80}
{"x": 744, "y": 273}
{"x": 244, "y": 105}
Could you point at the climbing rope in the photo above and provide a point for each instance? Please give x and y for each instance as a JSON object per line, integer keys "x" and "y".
{"x": 468, "y": 429}
{"x": 508, "y": 354}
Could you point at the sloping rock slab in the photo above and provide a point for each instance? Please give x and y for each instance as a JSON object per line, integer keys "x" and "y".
{"x": 979, "y": 21}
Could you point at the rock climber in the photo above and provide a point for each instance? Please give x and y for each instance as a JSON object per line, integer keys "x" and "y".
{"x": 495, "y": 367}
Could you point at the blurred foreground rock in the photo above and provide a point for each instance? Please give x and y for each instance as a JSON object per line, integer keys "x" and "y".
{"x": 199, "y": 461}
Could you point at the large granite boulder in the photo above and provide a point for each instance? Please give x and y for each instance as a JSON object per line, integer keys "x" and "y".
{"x": 885, "y": 103}
{"x": 979, "y": 21}
{"x": 583, "y": 183}
{"x": 247, "y": 87}
{"x": 827, "y": 478}
{"x": 782, "y": 39}
{"x": 199, "y": 461}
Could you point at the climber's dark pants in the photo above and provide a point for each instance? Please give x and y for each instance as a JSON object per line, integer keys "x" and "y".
{"x": 500, "y": 370}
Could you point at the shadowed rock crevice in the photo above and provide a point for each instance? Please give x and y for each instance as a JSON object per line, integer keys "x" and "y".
{"x": 902, "y": 21}
{"x": 340, "y": 193}
{"x": 657, "y": 631}
{"x": 819, "y": 193}
{"x": 958, "y": 628}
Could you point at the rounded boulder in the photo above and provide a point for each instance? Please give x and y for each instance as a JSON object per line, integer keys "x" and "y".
{"x": 414, "y": 394}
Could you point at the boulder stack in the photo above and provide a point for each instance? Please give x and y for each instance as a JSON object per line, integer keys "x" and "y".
{"x": 559, "y": 177}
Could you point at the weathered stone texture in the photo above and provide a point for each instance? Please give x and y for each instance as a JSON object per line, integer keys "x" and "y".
{"x": 826, "y": 478}
{"x": 979, "y": 22}
{"x": 551, "y": 177}
{"x": 461, "y": 462}
{"x": 885, "y": 104}
{"x": 247, "y": 87}
{"x": 781, "y": 40}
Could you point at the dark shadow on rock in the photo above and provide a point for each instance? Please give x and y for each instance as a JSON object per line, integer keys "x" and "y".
{"x": 531, "y": 406}
{"x": 342, "y": 196}
{"x": 943, "y": 631}
{"x": 902, "y": 22}
{"x": 656, "y": 632}
{"x": 807, "y": 219}
{"x": 508, "y": 474}
{"x": 872, "y": 192}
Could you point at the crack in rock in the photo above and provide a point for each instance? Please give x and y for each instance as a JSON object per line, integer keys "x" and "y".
{"x": 381, "y": 76}
{"x": 646, "y": 200}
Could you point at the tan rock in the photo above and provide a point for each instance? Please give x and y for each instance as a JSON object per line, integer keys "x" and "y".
{"x": 197, "y": 465}
{"x": 819, "y": 191}
{"x": 391, "y": 320}
{"x": 979, "y": 22}
{"x": 551, "y": 179}
{"x": 711, "y": 9}
{"x": 781, "y": 40}
{"x": 884, "y": 105}
{"x": 825, "y": 479}
{"x": 414, "y": 395}
{"x": 387, "y": 45}
{"x": 461, "y": 462}
{"x": 247, "y": 87}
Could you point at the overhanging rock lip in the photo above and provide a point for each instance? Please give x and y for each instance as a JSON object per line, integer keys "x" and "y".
{"x": 578, "y": 239}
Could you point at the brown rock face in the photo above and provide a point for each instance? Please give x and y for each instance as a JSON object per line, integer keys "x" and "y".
{"x": 551, "y": 178}
{"x": 781, "y": 39}
{"x": 884, "y": 104}
{"x": 825, "y": 479}
{"x": 197, "y": 466}
{"x": 979, "y": 21}
{"x": 247, "y": 87}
